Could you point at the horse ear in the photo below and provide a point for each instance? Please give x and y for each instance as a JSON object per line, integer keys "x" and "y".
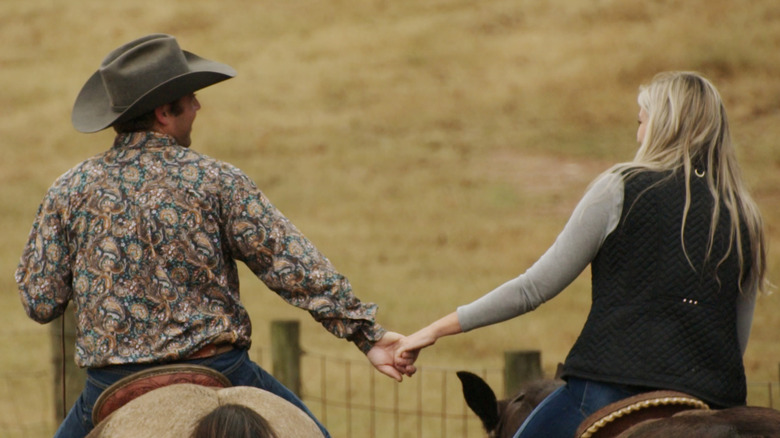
{"x": 480, "y": 398}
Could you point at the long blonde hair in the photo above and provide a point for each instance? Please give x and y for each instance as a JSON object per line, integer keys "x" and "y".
{"x": 687, "y": 130}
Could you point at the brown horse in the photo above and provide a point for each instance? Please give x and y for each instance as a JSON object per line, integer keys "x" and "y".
{"x": 655, "y": 414}
{"x": 502, "y": 418}
{"x": 743, "y": 421}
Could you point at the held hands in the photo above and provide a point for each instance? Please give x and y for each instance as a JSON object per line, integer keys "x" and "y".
{"x": 409, "y": 348}
{"x": 394, "y": 355}
{"x": 382, "y": 354}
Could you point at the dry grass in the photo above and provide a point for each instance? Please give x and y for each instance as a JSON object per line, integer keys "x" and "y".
{"x": 431, "y": 149}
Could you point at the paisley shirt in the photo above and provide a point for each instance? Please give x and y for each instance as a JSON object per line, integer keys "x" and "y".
{"x": 144, "y": 238}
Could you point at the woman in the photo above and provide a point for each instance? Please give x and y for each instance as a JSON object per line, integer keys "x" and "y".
{"x": 677, "y": 254}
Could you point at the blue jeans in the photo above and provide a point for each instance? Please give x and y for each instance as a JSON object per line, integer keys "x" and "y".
{"x": 559, "y": 415}
{"x": 235, "y": 365}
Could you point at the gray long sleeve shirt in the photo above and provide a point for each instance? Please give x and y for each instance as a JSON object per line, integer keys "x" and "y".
{"x": 594, "y": 218}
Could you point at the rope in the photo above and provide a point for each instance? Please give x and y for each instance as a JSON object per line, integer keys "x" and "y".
{"x": 62, "y": 350}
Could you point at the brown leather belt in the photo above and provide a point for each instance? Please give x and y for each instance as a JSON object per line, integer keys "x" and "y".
{"x": 210, "y": 350}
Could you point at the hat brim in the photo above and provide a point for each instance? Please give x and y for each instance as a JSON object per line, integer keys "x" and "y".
{"x": 92, "y": 111}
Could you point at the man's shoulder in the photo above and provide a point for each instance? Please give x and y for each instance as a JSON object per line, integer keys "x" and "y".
{"x": 224, "y": 173}
{"x": 79, "y": 171}
{"x": 222, "y": 165}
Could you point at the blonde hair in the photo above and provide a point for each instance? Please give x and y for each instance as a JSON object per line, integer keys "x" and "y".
{"x": 687, "y": 130}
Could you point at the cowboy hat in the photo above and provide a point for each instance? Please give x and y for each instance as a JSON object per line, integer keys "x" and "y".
{"x": 140, "y": 76}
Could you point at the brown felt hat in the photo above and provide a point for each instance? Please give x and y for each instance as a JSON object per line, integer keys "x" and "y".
{"x": 140, "y": 76}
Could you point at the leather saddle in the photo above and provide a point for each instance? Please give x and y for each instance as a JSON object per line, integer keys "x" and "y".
{"x": 137, "y": 384}
{"x": 615, "y": 418}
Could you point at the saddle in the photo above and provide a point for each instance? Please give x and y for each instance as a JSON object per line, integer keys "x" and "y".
{"x": 615, "y": 418}
{"x": 135, "y": 385}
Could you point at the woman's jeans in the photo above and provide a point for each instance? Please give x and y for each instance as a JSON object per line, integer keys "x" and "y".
{"x": 561, "y": 412}
{"x": 235, "y": 365}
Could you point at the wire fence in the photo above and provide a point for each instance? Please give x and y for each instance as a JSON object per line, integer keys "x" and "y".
{"x": 365, "y": 403}
{"x": 348, "y": 396}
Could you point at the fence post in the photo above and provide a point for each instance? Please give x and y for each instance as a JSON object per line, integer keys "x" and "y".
{"x": 75, "y": 377}
{"x": 286, "y": 354}
{"x": 520, "y": 367}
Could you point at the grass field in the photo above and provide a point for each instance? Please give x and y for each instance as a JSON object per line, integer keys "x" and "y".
{"x": 431, "y": 149}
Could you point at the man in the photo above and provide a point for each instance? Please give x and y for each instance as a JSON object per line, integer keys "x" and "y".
{"x": 143, "y": 240}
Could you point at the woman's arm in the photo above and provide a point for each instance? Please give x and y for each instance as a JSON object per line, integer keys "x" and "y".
{"x": 593, "y": 219}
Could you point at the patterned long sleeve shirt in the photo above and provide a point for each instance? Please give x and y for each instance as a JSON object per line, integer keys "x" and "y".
{"x": 144, "y": 239}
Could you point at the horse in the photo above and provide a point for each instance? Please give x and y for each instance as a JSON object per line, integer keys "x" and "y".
{"x": 742, "y": 421}
{"x": 169, "y": 401}
{"x": 502, "y": 418}
{"x": 657, "y": 413}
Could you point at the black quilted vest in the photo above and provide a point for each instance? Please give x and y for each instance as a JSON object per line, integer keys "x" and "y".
{"x": 655, "y": 321}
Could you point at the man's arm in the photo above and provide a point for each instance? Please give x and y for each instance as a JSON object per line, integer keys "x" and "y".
{"x": 289, "y": 264}
{"x": 43, "y": 275}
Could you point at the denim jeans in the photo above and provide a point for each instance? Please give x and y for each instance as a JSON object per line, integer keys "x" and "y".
{"x": 559, "y": 415}
{"x": 235, "y": 365}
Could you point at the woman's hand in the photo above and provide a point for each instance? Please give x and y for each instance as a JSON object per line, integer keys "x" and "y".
{"x": 408, "y": 348}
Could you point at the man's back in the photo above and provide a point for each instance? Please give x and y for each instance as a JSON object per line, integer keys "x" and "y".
{"x": 141, "y": 232}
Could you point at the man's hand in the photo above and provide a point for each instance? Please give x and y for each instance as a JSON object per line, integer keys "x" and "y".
{"x": 382, "y": 356}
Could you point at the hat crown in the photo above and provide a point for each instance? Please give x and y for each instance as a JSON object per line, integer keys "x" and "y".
{"x": 139, "y": 66}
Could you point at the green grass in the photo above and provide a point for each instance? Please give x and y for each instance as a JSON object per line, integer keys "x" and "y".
{"x": 432, "y": 150}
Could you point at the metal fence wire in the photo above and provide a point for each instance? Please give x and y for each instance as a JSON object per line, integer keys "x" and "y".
{"x": 352, "y": 399}
{"x": 348, "y": 395}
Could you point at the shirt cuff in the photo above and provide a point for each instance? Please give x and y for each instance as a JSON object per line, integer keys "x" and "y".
{"x": 367, "y": 336}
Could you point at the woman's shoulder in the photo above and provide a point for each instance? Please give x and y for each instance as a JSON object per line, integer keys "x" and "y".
{"x": 639, "y": 175}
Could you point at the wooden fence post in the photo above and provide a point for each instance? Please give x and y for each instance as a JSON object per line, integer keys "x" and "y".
{"x": 286, "y": 354}
{"x": 520, "y": 367}
{"x": 75, "y": 377}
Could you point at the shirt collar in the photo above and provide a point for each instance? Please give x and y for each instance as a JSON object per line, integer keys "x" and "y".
{"x": 141, "y": 139}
